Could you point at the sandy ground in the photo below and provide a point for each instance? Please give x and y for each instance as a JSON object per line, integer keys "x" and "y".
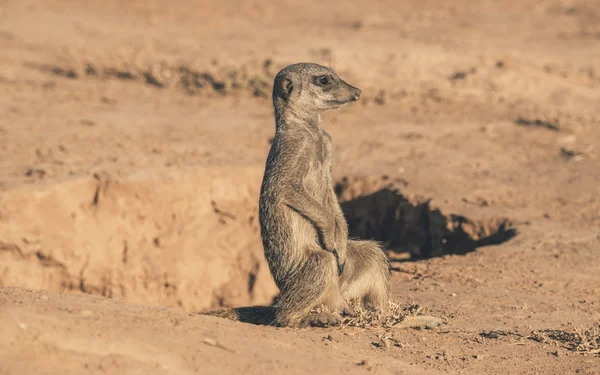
{"x": 133, "y": 137}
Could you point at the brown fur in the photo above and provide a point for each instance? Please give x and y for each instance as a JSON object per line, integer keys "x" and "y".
{"x": 304, "y": 232}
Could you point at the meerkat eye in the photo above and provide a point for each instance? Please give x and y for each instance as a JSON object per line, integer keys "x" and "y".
{"x": 322, "y": 80}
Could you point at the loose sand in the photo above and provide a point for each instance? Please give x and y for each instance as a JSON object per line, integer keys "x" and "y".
{"x": 133, "y": 136}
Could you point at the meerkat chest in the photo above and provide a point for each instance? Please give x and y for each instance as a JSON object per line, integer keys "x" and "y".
{"x": 316, "y": 180}
{"x": 318, "y": 176}
{"x": 323, "y": 155}
{"x": 328, "y": 150}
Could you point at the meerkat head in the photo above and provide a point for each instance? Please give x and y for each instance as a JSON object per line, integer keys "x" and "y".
{"x": 311, "y": 88}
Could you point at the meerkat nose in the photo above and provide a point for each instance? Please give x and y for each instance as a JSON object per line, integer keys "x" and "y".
{"x": 357, "y": 94}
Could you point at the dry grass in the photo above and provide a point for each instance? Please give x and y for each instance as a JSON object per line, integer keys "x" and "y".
{"x": 585, "y": 341}
{"x": 576, "y": 339}
{"x": 357, "y": 316}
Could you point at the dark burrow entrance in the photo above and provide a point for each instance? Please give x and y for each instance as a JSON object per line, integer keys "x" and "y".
{"x": 375, "y": 209}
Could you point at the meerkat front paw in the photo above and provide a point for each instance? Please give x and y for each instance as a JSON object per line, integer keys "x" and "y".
{"x": 340, "y": 264}
{"x": 328, "y": 238}
{"x": 330, "y": 244}
{"x": 341, "y": 238}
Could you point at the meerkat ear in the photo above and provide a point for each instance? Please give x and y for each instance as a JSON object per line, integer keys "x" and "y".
{"x": 286, "y": 88}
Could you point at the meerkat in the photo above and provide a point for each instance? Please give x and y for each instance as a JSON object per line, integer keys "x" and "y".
{"x": 304, "y": 232}
{"x": 303, "y": 229}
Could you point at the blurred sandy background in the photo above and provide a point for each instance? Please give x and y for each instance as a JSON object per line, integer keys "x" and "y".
{"x": 133, "y": 136}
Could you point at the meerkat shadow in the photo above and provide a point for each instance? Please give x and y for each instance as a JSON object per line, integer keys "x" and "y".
{"x": 412, "y": 226}
{"x": 256, "y": 315}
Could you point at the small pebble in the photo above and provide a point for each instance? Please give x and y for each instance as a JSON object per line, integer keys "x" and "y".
{"x": 85, "y": 313}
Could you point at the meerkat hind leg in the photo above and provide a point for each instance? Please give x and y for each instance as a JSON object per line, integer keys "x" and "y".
{"x": 366, "y": 276}
{"x": 367, "y": 279}
{"x": 315, "y": 284}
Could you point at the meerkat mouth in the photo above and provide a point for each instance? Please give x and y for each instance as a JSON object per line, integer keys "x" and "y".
{"x": 340, "y": 102}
